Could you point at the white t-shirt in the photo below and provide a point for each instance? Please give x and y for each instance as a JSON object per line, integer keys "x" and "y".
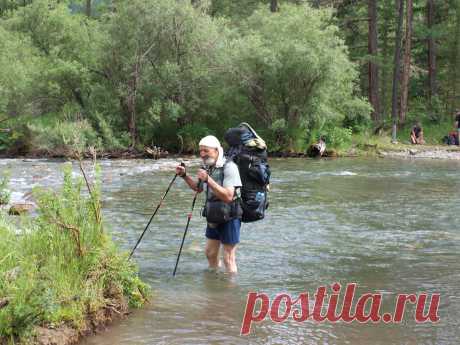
{"x": 231, "y": 175}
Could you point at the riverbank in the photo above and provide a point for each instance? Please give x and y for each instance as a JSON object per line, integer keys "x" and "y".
{"x": 374, "y": 147}
{"x": 384, "y": 149}
{"x": 116, "y": 308}
{"x": 428, "y": 152}
{"x": 69, "y": 152}
{"x": 62, "y": 276}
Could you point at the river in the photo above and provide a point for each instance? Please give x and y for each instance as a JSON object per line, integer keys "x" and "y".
{"x": 391, "y": 226}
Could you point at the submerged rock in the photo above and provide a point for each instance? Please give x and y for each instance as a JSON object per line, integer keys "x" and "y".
{"x": 317, "y": 149}
{"x": 331, "y": 153}
{"x": 18, "y": 209}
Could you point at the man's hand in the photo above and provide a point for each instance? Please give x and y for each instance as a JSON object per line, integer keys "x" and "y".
{"x": 180, "y": 171}
{"x": 202, "y": 175}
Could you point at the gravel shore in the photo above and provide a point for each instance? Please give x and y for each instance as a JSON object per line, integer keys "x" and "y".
{"x": 430, "y": 152}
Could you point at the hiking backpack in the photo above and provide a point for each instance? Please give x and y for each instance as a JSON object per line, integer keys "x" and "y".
{"x": 249, "y": 152}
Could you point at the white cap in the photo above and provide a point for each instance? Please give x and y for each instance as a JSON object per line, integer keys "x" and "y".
{"x": 210, "y": 141}
{"x": 213, "y": 142}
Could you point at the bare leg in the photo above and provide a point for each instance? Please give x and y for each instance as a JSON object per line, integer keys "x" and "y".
{"x": 230, "y": 258}
{"x": 421, "y": 140}
{"x": 212, "y": 253}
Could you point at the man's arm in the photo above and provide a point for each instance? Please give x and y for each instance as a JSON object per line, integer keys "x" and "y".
{"x": 223, "y": 193}
{"x": 180, "y": 171}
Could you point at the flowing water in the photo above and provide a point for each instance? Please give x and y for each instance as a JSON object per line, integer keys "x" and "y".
{"x": 391, "y": 226}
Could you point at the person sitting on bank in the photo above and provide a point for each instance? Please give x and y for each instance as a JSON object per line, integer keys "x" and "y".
{"x": 457, "y": 126}
{"x": 222, "y": 210}
{"x": 416, "y": 134}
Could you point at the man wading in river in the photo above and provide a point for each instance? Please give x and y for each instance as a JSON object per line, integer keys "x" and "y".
{"x": 222, "y": 210}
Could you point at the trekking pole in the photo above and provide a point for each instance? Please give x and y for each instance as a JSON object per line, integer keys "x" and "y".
{"x": 155, "y": 212}
{"x": 189, "y": 217}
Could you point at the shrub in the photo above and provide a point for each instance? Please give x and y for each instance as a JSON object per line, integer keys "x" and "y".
{"x": 62, "y": 264}
{"x": 64, "y": 135}
{"x": 191, "y": 135}
{"x": 336, "y": 137}
{"x": 294, "y": 70}
{"x": 109, "y": 139}
{"x": 5, "y": 194}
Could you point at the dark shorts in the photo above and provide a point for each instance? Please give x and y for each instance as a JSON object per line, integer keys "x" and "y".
{"x": 227, "y": 233}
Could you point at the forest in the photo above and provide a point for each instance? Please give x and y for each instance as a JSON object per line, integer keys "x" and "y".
{"x": 122, "y": 75}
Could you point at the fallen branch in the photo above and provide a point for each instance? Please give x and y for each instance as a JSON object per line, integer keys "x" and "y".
{"x": 80, "y": 164}
{"x": 75, "y": 233}
{"x": 113, "y": 308}
{"x": 95, "y": 203}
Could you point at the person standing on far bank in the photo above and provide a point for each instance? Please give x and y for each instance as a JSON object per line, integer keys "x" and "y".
{"x": 457, "y": 126}
{"x": 222, "y": 210}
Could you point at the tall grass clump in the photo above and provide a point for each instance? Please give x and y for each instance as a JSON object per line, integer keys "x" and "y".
{"x": 64, "y": 136}
{"x": 61, "y": 266}
{"x": 5, "y": 193}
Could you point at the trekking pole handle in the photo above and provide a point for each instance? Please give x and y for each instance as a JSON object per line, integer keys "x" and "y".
{"x": 200, "y": 182}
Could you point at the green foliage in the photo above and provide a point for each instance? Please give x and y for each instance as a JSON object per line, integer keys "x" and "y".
{"x": 60, "y": 266}
{"x": 175, "y": 66}
{"x": 233, "y": 9}
{"x": 294, "y": 70}
{"x": 16, "y": 81}
{"x": 337, "y": 137}
{"x": 162, "y": 63}
{"x": 147, "y": 72}
{"x": 433, "y": 131}
{"x": 191, "y": 134}
{"x": 5, "y": 193}
{"x": 64, "y": 135}
{"x": 110, "y": 140}
{"x": 64, "y": 46}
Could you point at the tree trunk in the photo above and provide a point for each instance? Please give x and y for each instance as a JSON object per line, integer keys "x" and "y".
{"x": 128, "y": 103}
{"x": 274, "y": 6}
{"x": 432, "y": 84}
{"x": 386, "y": 75}
{"x": 406, "y": 64}
{"x": 396, "y": 67}
{"x": 131, "y": 107}
{"x": 455, "y": 65}
{"x": 128, "y": 107}
{"x": 373, "y": 70}
{"x": 88, "y": 8}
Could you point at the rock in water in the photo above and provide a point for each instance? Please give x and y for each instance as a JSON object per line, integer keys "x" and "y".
{"x": 18, "y": 209}
{"x": 317, "y": 149}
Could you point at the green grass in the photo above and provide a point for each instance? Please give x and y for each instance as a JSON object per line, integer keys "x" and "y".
{"x": 366, "y": 143}
{"x": 61, "y": 133}
{"x": 61, "y": 265}
{"x": 5, "y": 193}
